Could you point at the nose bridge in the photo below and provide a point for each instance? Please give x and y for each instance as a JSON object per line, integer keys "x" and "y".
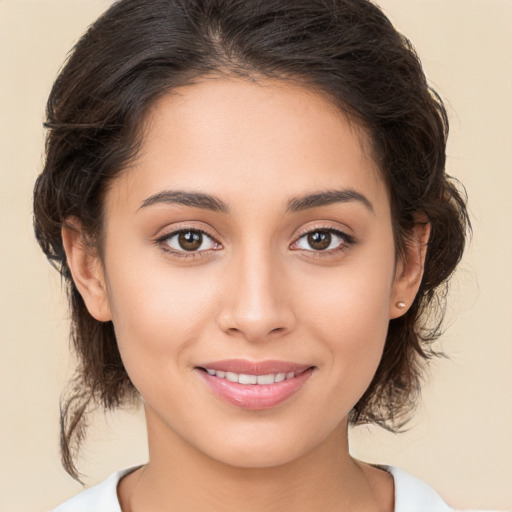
{"x": 257, "y": 305}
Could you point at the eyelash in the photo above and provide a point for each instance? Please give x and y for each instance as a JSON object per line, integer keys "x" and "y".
{"x": 163, "y": 242}
{"x": 164, "y": 239}
{"x": 346, "y": 243}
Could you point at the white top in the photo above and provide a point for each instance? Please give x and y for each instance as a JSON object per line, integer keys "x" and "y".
{"x": 411, "y": 495}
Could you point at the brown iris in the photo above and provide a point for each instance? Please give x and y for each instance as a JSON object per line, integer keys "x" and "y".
{"x": 190, "y": 240}
{"x": 319, "y": 240}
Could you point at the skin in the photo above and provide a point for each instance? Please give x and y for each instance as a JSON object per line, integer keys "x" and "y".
{"x": 256, "y": 289}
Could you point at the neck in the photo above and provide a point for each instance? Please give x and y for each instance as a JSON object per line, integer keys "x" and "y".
{"x": 178, "y": 477}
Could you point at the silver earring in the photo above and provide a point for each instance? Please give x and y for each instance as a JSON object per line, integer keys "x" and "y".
{"x": 400, "y": 305}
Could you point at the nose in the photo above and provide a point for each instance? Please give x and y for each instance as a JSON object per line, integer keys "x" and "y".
{"x": 257, "y": 305}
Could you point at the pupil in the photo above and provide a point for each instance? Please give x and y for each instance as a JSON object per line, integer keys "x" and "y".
{"x": 319, "y": 240}
{"x": 190, "y": 240}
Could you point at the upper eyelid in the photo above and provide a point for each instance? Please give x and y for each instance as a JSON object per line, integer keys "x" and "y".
{"x": 172, "y": 231}
{"x": 323, "y": 227}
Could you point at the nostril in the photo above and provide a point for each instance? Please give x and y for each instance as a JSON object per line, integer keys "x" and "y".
{"x": 278, "y": 330}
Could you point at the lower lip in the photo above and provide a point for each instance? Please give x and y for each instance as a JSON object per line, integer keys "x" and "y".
{"x": 255, "y": 396}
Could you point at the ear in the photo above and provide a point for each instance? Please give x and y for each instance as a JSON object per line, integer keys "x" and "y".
{"x": 86, "y": 269}
{"x": 409, "y": 270}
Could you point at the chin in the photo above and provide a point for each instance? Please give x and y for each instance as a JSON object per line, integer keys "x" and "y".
{"x": 257, "y": 457}
{"x": 261, "y": 447}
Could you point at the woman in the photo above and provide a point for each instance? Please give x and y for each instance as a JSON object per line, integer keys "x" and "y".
{"x": 248, "y": 202}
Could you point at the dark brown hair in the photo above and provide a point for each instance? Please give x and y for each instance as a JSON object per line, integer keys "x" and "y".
{"x": 346, "y": 49}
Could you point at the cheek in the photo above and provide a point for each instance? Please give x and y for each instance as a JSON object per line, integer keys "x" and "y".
{"x": 355, "y": 339}
{"x": 348, "y": 309}
{"x": 352, "y": 298}
{"x": 157, "y": 313}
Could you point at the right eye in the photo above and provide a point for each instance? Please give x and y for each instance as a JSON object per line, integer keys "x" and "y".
{"x": 188, "y": 241}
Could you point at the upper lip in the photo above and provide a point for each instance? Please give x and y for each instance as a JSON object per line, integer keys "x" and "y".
{"x": 255, "y": 367}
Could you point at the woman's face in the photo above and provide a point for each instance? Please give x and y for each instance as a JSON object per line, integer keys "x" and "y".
{"x": 251, "y": 238}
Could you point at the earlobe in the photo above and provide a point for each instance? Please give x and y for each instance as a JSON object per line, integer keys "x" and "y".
{"x": 409, "y": 270}
{"x": 86, "y": 269}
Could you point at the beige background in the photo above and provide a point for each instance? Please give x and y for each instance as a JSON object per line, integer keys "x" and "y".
{"x": 461, "y": 440}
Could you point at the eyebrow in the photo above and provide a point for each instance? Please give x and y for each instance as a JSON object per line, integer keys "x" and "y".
{"x": 346, "y": 195}
{"x": 297, "y": 204}
{"x": 192, "y": 199}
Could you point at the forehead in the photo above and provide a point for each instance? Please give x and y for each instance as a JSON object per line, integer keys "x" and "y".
{"x": 241, "y": 139}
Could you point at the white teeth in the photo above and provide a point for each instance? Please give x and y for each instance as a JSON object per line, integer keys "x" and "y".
{"x": 232, "y": 377}
{"x": 244, "y": 378}
{"x": 266, "y": 379}
{"x": 248, "y": 379}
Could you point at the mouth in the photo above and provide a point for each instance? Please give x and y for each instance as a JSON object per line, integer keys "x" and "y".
{"x": 255, "y": 386}
{"x": 248, "y": 379}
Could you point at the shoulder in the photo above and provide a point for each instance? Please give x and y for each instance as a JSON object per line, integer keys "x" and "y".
{"x": 100, "y": 498}
{"x": 412, "y": 494}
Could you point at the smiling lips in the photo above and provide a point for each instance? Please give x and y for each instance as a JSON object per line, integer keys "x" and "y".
{"x": 254, "y": 386}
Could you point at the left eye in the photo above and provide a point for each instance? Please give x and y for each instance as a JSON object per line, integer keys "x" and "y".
{"x": 321, "y": 240}
{"x": 190, "y": 240}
